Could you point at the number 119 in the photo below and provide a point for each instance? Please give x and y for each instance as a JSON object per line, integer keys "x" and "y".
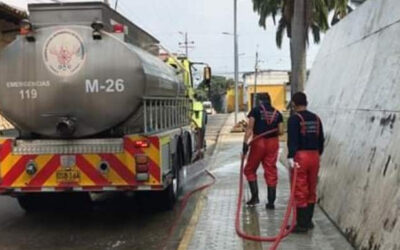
{"x": 28, "y": 94}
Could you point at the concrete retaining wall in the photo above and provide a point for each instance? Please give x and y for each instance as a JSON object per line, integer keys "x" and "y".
{"x": 355, "y": 87}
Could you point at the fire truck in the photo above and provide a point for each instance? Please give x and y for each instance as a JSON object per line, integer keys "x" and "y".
{"x": 95, "y": 107}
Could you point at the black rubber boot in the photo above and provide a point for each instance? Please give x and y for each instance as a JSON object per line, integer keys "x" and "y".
{"x": 301, "y": 226}
{"x": 271, "y": 198}
{"x": 254, "y": 194}
{"x": 310, "y": 214}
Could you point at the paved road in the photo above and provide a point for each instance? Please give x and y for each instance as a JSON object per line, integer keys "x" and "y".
{"x": 117, "y": 222}
{"x": 214, "y": 125}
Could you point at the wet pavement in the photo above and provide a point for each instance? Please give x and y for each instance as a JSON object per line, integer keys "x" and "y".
{"x": 214, "y": 126}
{"x": 215, "y": 229}
{"x": 117, "y": 222}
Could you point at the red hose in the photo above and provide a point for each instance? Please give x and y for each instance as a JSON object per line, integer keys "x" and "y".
{"x": 291, "y": 208}
{"x": 283, "y": 232}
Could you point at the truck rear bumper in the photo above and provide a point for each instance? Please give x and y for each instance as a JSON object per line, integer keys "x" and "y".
{"x": 133, "y": 165}
{"x": 16, "y": 191}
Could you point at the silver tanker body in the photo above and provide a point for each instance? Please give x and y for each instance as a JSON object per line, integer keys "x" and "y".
{"x": 68, "y": 84}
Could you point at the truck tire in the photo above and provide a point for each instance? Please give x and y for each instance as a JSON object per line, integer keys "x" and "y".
{"x": 188, "y": 151}
{"x": 55, "y": 201}
{"x": 170, "y": 195}
{"x": 29, "y": 203}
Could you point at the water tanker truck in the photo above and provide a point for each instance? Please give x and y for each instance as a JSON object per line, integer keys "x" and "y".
{"x": 94, "y": 107}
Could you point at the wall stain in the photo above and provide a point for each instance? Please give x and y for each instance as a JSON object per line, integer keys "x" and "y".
{"x": 372, "y": 119}
{"x": 385, "y": 224}
{"x": 388, "y": 121}
{"x": 387, "y": 165}
{"x": 371, "y": 244}
{"x": 394, "y": 223}
{"x": 366, "y": 185}
{"x": 373, "y": 152}
{"x": 351, "y": 235}
{"x": 393, "y": 121}
{"x": 389, "y": 225}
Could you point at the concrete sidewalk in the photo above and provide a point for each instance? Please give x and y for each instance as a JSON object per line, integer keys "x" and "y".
{"x": 212, "y": 226}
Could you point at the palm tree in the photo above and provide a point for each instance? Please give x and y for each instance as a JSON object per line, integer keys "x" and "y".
{"x": 297, "y": 17}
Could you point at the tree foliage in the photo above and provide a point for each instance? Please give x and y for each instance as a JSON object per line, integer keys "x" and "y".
{"x": 316, "y": 15}
{"x": 216, "y": 94}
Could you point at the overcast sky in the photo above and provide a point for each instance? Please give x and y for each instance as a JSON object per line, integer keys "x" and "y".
{"x": 205, "y": 20}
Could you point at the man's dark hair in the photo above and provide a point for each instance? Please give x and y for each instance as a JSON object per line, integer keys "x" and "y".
{"x": 299, "y": 99}
{"x": 264, "y": 97}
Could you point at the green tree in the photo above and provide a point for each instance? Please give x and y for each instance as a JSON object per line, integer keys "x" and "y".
{"x": 297, "y": 18}
{"x": 216, "y": 94}
{"x": 201, "y": 94}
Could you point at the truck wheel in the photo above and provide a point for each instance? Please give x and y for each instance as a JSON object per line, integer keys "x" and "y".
{"x": 55, "y": 201}
{"x": 188, "y": 155}
{"x": 72, "y": 202}
{"x": 29, "y": 202}
{"x": 171, "y": 193}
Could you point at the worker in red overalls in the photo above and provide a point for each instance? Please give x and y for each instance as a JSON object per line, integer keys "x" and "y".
{"x": 263, "y": 118}
{"x": 305, "y": 145}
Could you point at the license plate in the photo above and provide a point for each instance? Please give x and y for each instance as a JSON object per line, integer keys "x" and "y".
{"x": 68, "y": 176}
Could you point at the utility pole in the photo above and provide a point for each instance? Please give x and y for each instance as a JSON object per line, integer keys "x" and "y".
{"x": 236, "y": 55}
{"x": 186, "y": 44}
{"x": 255, "y": 80}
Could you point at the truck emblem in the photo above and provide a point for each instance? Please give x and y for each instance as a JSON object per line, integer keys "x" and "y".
{"x": 64, "y": 53}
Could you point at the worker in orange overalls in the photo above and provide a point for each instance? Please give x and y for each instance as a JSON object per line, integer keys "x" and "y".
{"x": 305, "y": 145}
{"x": 263, "y": 118}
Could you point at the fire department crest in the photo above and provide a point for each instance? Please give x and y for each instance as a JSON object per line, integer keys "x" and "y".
{"x": 64, "y": 53}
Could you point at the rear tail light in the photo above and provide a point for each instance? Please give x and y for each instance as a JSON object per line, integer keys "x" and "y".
{"x": 142, "y": 172}
{"x": 141, "y": 159}
{"x": 142, "y": 167}
{"x": 142, "y": 144}
{"x": 25, "y": 26}
{"x": 26, "y": 29}
{"x": 118, "y": 28}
